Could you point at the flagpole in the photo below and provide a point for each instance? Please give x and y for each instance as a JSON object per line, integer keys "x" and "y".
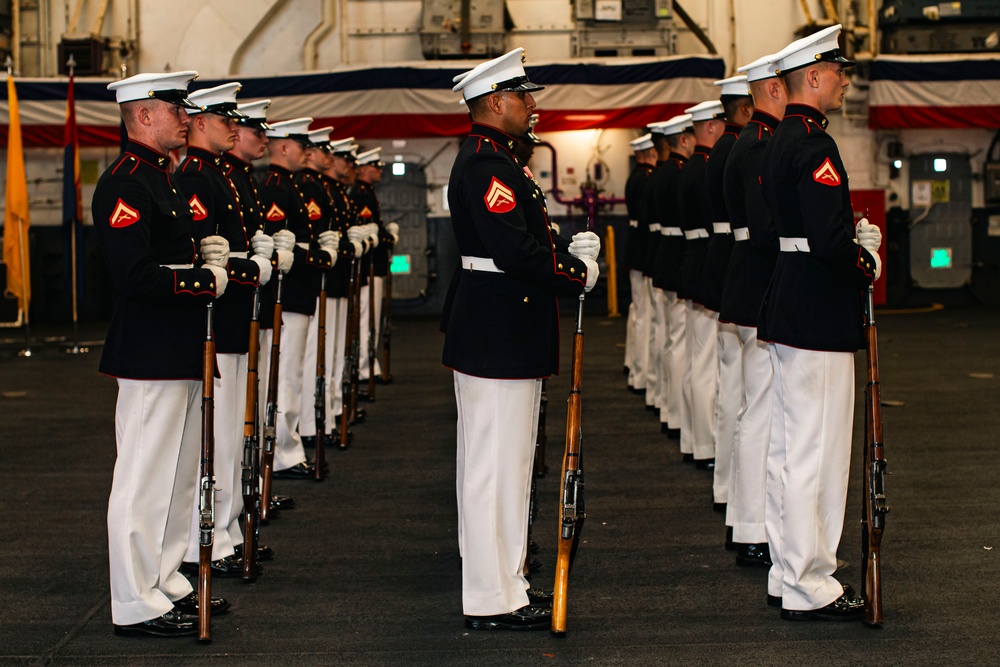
{"x": 76, "y": 349}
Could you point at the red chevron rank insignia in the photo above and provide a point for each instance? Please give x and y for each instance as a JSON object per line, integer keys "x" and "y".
{"x": 365, "y": 213}
{"x": 275, "y": 214}
{"x": 826, "y": 174}
{"x": 198, "y": 209}
{"x": 313, "y": 209}
{"x": 123, "y": 215}
{"x": 499, "y": 198}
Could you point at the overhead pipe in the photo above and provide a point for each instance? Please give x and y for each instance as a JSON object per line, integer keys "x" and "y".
{"x": 694, "y": 28}
{"x": 310, "y": 49}
{"x": 244, "y": 46}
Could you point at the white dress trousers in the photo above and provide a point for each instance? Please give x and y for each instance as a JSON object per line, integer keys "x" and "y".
{"x": 339, "y": 357}
{"x": 728, "y": 404}
{"x": 288, "y": 449}
{"x": 746, "y": 508}
{"x": 230, "y": 401}
{"x": 365, "y": 306}
{"x": 811, "y": 446}
{"x": 158, "y": 435}
{"x": 702, "y": 359}
{"x": 497, "y": 421}
{"x": 637, "y": 339}
{"x": 674, "y": 368}
{"x": 307, "y": 410}
{"x": 656, "y": 377}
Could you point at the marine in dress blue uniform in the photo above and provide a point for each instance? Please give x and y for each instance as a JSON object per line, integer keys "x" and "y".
{"x": 501, "y": 338}
{"x": 154, "y": 350}
{"x": 750, "y": 271}
{"x": 637, "y": 338}
{"x": 702, "y": 363}
{"x": 216, "y": 209}
{"x": 812, "y": 316}
{"x": 734, "y": 94}
{"x": 285, "y": 209}
{"x": 675, "y": 138}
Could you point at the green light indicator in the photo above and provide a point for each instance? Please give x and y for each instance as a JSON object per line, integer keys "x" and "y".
{"x": 400, "y": 265}
{"x": 940, "y": 258}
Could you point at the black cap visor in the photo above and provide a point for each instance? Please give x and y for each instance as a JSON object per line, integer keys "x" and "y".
{"x": 178, "y": 97}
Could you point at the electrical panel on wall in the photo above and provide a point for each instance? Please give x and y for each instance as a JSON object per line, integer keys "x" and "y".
{"x": 941, "y": 220}
{"x": 472, "y": 29}
{"x": 922, "y": 26}
{"x": 620, "y": 28}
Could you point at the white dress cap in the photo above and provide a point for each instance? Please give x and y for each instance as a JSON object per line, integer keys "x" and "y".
{"x": 675, "y": 125}
{"x": 167, "y": 86}
{"x": 734, "y": 85}
{"x": 220, "y": 100}
{"x": 499, "y": 74}
{"x": 765, "y": 67}
{"x": 343, "y": 147}
{"x": 297, "y": 128}
{"x": 255, "y": 114}
{"x": 320, "y": 136}
{"x": 643, "y": 143}
{"x": 819, "y": 47}
{"x": 372, "y": 157}
{"x": 707, "y": 110}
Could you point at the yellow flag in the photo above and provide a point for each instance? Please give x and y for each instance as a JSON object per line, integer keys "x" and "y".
{"x": 17, "y": 219}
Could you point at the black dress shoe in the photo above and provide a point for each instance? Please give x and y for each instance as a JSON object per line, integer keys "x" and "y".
{"x": 539, "y": 598}
{"x": 730, "y": 545}
{"x": 845, "y": 608}
{"x": 308, "y": 442}
{"x": 282, "y": 502}
{"x": 719, "y": 507}
{"x": 359, "y": 417}
{"x": 171, "y": 624}
{"x": 675, "y": 434}
{"x": 650, "y": 407}
{"x": 189, "y": 605}
{"x": 525, "y": 618}
{"x": 532, "y": 546}
{"x": 535, "y": 565}
{"x": 688, "y": 458}
{"x": 333, "y": 439}
{"x": 263, "y": 552}
{"x": 297, "y": 471}
{"x": 753, "y": 555}
{"x": 229, "y": 567}
{"x": 387, "y": 380}
{"x": 704, "y": 464}
{"x": 363, "y": 396}
{"x": 773, "y": 600}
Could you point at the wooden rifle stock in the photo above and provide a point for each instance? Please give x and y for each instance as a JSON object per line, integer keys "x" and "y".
{"x": 319, "y": 397}
{"x": 386, "y": 325}
{"x": 345, "y": 384}
{"x": 371, "y": 332}
{"x": 271, "y": 409}
{"x": 571, "y": 514}
{"x": 206, "y": 495}
{"x": 251, "y": 450}
{"x": 874, "y": 507}
{"x": 354, "y": 324}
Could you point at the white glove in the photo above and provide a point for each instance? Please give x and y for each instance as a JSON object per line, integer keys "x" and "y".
{"x": 554, "y": 226}
{"x": 869, "y": 236}
{"x": 262, "y": 244}
{"x": 358, "y": 248}
{"x": 357, "y": 235}
{"x": 585, "y": 245}
{"x": 878, "y": 266}
{"x": 284, "y": 240}
{"x": 373, "y": 234}
{"x": 215, "y": 250}
{"x": 264, "y": 263}
{"x": 221, "y": 279}
{"x": 285, "y": 259}
{"x": 329, "y": 240}
{"x": 393, "y": 229}
{"x": 593, "y": 272}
